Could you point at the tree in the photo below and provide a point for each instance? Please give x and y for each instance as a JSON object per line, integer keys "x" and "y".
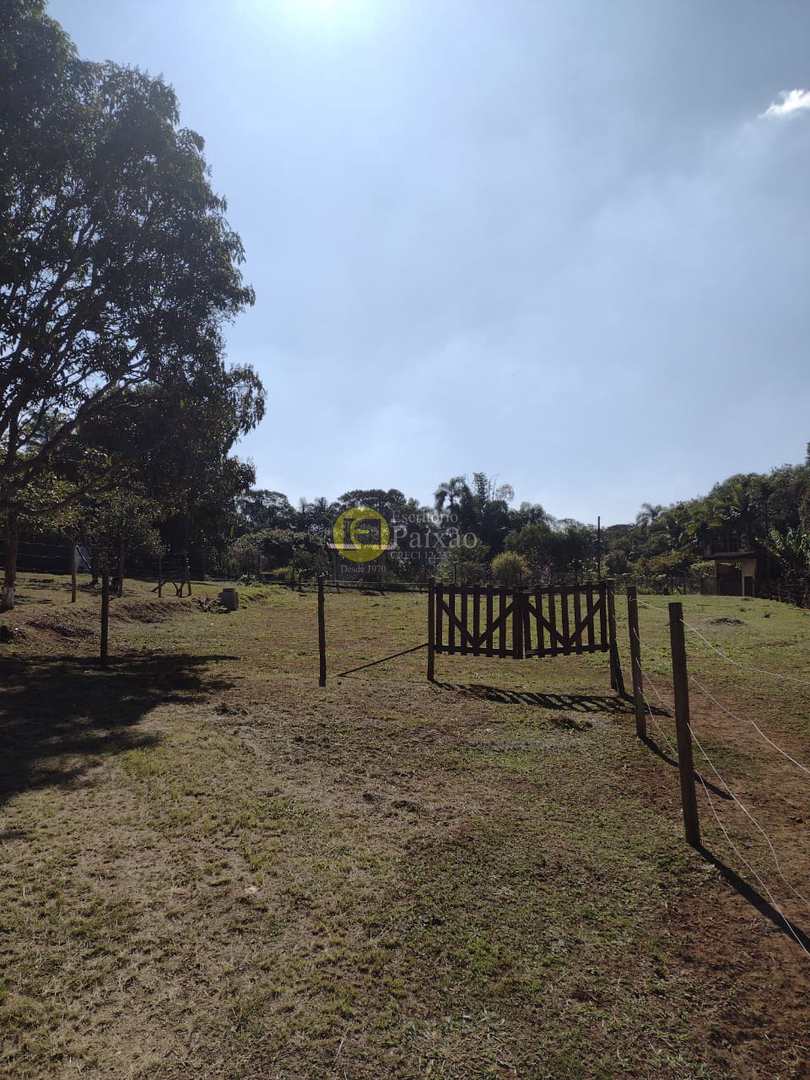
{"x": 117, "y": 520}
{"x": 465, "y": 565}
{"x": 562, "y": 553}
{"x": 317, "y": 517}
{"x": 451, "y": 492}
{"x": 792, "y": 549}
{"x": 117, "y": 264}
{"x": 648, "y": 513}
{"x": 263, "y": 509}
{"x": 176, "y": 438}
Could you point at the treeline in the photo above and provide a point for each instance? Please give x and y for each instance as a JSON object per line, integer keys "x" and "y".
{"x": 474, "y": 531}
{"x": 118, "y": 272}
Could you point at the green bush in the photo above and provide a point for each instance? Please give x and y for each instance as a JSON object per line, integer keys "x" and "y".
{"x": 510, "y": 569}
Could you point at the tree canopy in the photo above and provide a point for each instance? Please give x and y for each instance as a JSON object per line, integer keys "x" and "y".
{"x": 118, "y": 272}
{"x": 118, "y": 265}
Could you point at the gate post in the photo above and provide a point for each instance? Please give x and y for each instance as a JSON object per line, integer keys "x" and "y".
{"x": 431, "y": 617}
{"x": 616, "y": 677}
{"x": 635, "y": 661}
{"x": 686, "y": 764}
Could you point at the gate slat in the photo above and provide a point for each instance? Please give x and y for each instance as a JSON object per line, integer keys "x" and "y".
{"x": 517, "y": 624}
{"x": 464, "y": 627}
{"x": 603, "y": 635}
{"x": 552, "y": 620}
{"x": 489, "y": 617}
{"x": 541, "y": 637}
{"x": 566, "y": 629}
{"x": 502, "y": 617}
{"x": 439, "y": 643}
{"x": 476, "y": 621}
{"x": 589, "y": 610}
{"x": 527, "y": 626}
{"x": 577, "y": 620}
{"x": 451, "y": 622}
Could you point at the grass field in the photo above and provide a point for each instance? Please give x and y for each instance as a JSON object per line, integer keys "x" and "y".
{"x": 213, "y": 868}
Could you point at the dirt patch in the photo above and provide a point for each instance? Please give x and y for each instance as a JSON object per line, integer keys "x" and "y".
{"x": 150, "y": 611}
{"x": 726, "y": 620}
{"x": 62, "y": 626}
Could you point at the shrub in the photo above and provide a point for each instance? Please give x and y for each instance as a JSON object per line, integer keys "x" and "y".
{"x": 510, "y": 569}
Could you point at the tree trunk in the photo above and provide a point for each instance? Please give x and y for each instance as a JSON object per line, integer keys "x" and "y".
{"x": 10, "y": 562}
{"x": 122, "y": 554}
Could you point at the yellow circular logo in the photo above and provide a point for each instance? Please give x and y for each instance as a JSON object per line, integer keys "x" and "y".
{"x": 361, "y": 534}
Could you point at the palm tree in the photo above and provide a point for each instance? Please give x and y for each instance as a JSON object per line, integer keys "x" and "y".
{"x": 451, "y": 491}
{"x": 648, "y": 513}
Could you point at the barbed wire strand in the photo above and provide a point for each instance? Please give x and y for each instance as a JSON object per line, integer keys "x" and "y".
{"x": 728, "y": 659}
{"x": 653, "y": 723}
{"x": 728, "y": 711}
{"x": 744, "y": 719}
{"x": 744, "y": 667}
{"x": 737, "y": 800}
{"x": 746, "y": 863}
{"x": 753, "y": 821}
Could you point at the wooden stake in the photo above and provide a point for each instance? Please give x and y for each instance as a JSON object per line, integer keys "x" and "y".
{"x": 616, "y": 677}
{"x": 105, "y": 617}
{"x": 160, "y": 574}
{"x": 686, "y": 765}
{"x": 431, "y": 618}
{"x": 635, "y": 662}
{"x": 321, "y": 633}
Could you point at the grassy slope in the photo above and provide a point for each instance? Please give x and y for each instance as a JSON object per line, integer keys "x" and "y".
{"x": 214, "y": 868}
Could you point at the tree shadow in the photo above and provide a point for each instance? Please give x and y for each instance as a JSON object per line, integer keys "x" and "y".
{"x": 592, "y": 703}
{"x": 652, "y": 745}
{"x": 755, "y": 899}
{"x": 59, "y": 715}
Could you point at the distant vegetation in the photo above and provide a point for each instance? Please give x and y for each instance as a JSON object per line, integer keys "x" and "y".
{"x": 768, "y": 514}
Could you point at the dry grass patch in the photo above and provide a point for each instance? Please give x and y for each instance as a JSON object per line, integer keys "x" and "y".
{"x": 214, "y": 868}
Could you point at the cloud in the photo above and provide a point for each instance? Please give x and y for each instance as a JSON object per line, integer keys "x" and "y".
{"x": 793, "y": 101}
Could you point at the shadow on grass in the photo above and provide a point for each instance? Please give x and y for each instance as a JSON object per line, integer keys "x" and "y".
{"x": 756, "y": 899}
{"x": 652, "y": 745}
{"x": 59, "y": 715}
{"x": 593, "y": 703}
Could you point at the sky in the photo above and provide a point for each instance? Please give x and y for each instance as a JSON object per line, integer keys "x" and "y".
{"x": 562, "y": 243}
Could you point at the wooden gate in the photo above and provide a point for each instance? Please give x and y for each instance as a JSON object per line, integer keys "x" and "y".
{"x": 523, "y": 623}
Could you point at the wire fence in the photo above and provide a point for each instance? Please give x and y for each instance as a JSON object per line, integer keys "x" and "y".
{"x": 725, "y": 787}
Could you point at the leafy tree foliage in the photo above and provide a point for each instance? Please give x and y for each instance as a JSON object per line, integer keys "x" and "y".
{"x": 118, "y": 270}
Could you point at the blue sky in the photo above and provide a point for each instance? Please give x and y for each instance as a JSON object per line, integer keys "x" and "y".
{"x": 563, "y": 243}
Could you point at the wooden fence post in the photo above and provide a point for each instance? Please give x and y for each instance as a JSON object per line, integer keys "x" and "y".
{"x": 616, "y": 677}
{"x": 686, "y": 765}
{"x": 73, "y": 572}
{"x": 635, "y": 662}
{"x": 321, "y": 633}
{"x": 105, "y": 616}
{"x": 431, "y": 617}
{"x": 160, "y": 575}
